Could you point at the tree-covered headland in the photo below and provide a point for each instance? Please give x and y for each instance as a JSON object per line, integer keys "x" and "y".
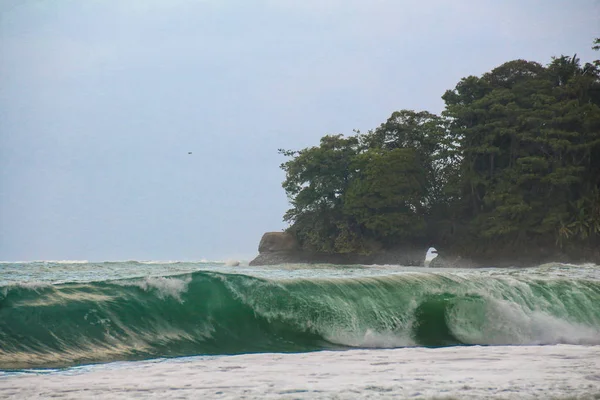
{"x": 512, "y": 162}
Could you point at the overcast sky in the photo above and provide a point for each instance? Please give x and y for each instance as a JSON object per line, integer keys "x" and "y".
{"x": 101, "y": 101}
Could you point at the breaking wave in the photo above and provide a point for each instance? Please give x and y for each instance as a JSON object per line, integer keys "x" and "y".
{"x": 207, "y": 313}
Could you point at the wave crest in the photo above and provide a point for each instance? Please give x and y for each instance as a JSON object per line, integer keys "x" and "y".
{"x": 214, "y": 313}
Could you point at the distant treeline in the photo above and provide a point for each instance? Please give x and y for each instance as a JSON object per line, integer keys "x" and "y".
{"x": 513, "y": 159}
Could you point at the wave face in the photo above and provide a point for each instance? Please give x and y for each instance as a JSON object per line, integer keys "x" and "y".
{"x": 209, "y": 313}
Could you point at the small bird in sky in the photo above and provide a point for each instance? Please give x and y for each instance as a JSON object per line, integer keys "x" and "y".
{"x": 189, "y": 152}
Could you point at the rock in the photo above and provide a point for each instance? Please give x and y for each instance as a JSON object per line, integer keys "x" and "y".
{"x": 283, "y": 248}
{"x": 277, "y": 248}
{"x": 272, "y": 242}
{"x": 276, "y": 258}
{"x": 519, "y": 255}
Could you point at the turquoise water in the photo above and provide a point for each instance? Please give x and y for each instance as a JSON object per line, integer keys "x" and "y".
{"x": 61, "y": 314}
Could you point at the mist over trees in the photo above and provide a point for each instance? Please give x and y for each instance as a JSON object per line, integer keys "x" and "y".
{"x": 513, "y": 159}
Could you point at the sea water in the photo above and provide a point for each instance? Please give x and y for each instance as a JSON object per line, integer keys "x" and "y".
{"x": 209, "y": 330}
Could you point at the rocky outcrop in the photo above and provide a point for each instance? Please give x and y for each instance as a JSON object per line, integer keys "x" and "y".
{"x": 520, "y": 256}
{"x": 277, "y": 248}
{"x": 283, "y": 248}
{"x": 277, "y": 242}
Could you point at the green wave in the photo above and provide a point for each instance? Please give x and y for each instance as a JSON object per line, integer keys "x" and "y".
{"x": 208, "y": 313}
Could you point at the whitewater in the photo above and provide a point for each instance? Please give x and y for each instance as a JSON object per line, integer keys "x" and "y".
{"x": 134, "y": 329}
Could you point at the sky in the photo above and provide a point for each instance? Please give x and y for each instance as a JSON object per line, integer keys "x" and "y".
{"x": 102, "y": 100}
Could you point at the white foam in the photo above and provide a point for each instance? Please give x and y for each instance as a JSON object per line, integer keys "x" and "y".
{"x": 371, "y": 339}
{"x": 165, "y": 287}
{"x": 159, "y": 262}
{"x": 510, "y": 323}
{"x": 47, "y": 262}
{"x": 34, "y": 285}
{"x": 431, "y": 254}
{"x": 502, "y": 372}
{"x": 64, "y": 261}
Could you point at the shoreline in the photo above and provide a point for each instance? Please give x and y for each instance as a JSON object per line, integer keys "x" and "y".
{"x": 473, "y": 372}
{"x": 283, "y": 248}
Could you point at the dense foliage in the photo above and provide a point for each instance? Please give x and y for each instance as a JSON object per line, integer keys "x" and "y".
{"x": 514, "y": 158}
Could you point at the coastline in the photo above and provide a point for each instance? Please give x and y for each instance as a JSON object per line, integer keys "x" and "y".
{"x": 283, "y": 248}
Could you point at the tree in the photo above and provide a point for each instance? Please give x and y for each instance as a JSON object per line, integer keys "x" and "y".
{"x": 526, "y": 134}
{"x": 514, "y": 158}
{"x": 426, "y": 134}
{"x": 387, "y": 195}
{"x": 316, "y": 180}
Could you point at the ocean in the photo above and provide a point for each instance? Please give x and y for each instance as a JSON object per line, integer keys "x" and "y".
{"x": 133, "y": 329}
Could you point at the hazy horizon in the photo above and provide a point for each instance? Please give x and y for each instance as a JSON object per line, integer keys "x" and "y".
{"x": 101, "y": 102}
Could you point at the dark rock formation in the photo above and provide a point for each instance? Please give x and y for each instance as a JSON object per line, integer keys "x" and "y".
{"x": 274, "y": 242}
{"x": 282, "y": 248}
{"x": 277, "y": 248}
{"x": 518, "y": 255}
